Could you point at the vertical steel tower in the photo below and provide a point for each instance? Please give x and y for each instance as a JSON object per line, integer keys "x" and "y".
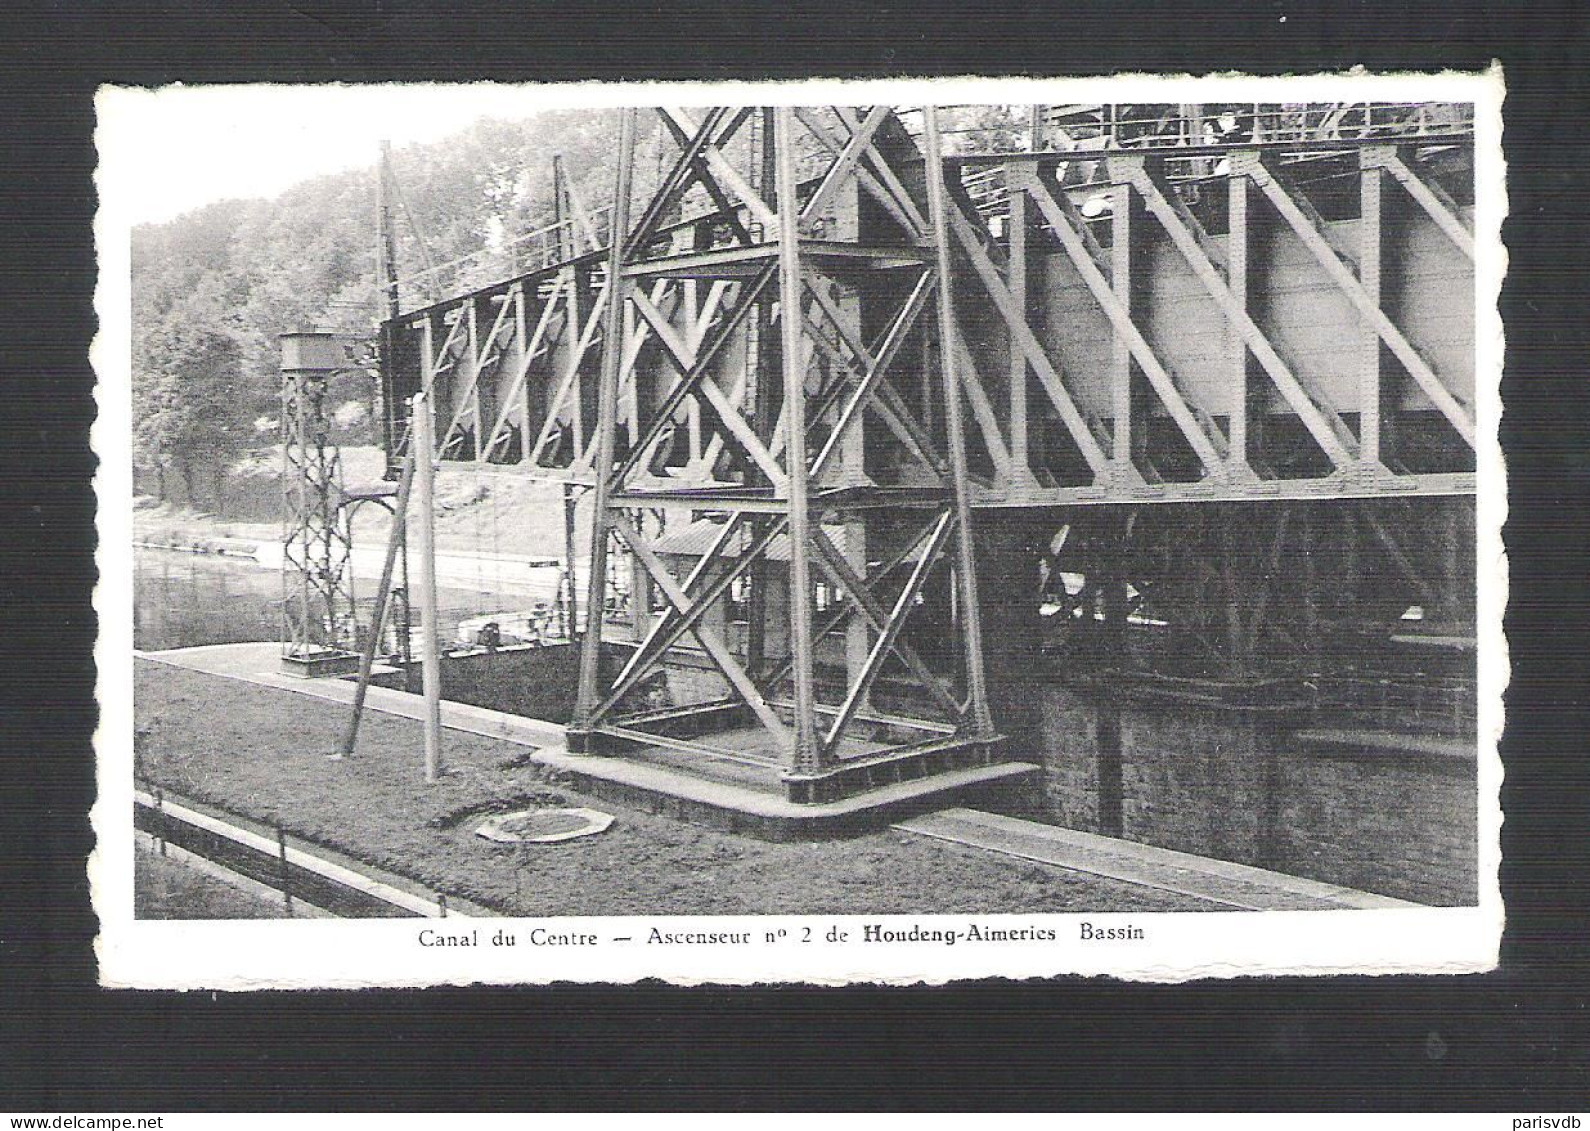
{"x": 805, "y": 325}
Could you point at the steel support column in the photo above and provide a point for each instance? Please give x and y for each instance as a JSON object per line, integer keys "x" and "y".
{"x": 808, "y": 752}
{"x": 1370, "y": 397}
{"x": 965, "y": 560}
{"x": 1237, "y": 348}
{"x": 602, "y": 518}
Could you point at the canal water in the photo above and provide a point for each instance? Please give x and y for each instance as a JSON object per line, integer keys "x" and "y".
{"x": 184, "y": 600}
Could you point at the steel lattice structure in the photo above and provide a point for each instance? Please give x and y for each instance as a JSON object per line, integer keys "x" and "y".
{"x": 1207, "y": 441}
{"x": 317, "y": 581}
{"x": 838, "y": 300}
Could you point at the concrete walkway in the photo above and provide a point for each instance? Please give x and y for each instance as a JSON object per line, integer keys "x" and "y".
{"x": 1218, "y": 881}
{"x": 261, "y": 663}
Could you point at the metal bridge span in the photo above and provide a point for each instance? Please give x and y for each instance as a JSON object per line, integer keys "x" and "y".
{"x": 1279, "y": 330}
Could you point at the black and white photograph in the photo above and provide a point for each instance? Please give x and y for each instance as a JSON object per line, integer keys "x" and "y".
{"x": 827, "y": 532}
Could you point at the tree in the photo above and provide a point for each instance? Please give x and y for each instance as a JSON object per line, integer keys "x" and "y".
{"x": 987, "y": 129}
{"x": 186, "y": 406}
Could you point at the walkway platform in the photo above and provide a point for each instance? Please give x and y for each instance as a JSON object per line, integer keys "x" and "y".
{"x": 760, "y": 807}
{"x": 729, "y": 796}
{"x": 261, "y": 663}
{"x": 1218, "y": 881}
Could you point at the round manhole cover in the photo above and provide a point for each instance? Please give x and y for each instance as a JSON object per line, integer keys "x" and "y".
{"x": 543, "y": 826}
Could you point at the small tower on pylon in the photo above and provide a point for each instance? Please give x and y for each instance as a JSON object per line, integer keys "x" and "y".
{"x": 318, "y": 625}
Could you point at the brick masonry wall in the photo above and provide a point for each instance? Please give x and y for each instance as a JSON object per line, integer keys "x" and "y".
{"x": 1070, "y": 758}
{"x": 1404, "y": 826}
{"x": 694, "y": 680}
{"x": 536, "y": 682}
{"x": 1196, "y": 780}
{"x": 1237, "y": 786}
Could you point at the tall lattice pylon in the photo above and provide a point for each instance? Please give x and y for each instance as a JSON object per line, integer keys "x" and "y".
{"x": 318, "y": 622}
{"x": 829, "y": 505}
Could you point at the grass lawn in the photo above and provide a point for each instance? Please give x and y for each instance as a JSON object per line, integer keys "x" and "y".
{"x": 259, "y": 752}
{"x": 166, "y": 889}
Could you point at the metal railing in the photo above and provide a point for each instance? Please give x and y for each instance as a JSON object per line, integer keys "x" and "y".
{"x": 1087, "y": 135}
{"x": 524, "y": 254}
{"x": 1087, "y": 132}
{"x": 1101, "y": 126}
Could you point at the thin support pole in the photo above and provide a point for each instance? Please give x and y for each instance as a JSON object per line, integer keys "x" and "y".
{"x": 606, "y": 422}
{"x": 762, "y": 396}
{"x": 1017, "y": 221}
{"x": 407, "y": 646}
{"x": 517, "y": 395}
{"x": 1369, "y": 371}
{"x": 423, "y": 451}
{"x": 571, "y": 586}
{"x": 559, "y": 217}
{"x": 386, "y": 250}
{"x": 965, "y": 571}
{"x": 639, "y": 590}
{"x": 473, "y": 393}
{"x": 857, "y": 641}
{"x": 383, "y": 596}
{"x": 1112, "y": 594}
{"x": 808, "y": 753}
{"x": 1236, "y": 346}
{"x": 1121, "y": 269}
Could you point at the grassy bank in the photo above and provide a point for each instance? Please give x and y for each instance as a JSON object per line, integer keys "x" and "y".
{"x": 165, "y": 889}
{"x": 260, "y": 752}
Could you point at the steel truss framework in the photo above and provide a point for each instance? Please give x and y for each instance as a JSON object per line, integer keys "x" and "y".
{"x": 695, "y": 402}
{"x": 1117, "y": 460}
{"x": 515, "y": 367}
{"x": 780, "y": 332}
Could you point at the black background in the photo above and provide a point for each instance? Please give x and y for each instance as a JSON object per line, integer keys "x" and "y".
{"x": 1515, "y": 1040}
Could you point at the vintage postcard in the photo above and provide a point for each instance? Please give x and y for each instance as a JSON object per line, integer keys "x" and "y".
{"x": 884, "y": 531}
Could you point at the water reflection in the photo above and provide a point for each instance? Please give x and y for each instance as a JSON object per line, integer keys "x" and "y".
{"x": 183, "y": 600}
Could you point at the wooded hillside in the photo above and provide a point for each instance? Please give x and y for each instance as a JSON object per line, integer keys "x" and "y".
{"x": 213, "y": 288}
